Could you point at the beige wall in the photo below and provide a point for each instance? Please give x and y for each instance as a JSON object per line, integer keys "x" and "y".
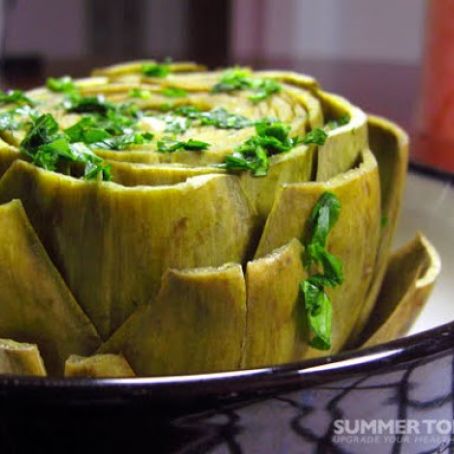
{"x": 384, "y": 30}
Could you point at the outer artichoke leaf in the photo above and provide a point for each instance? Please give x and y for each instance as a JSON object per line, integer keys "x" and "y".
{"x": 410, "y": 276}
{"x": 353, "y": 239}
{"x": 98, "y": 366}
{"x": 18, "y": 358}
{"x": 132, "y": 174}
{"x": 389, "y": 144}
{"x": 275, "y": 328}
{"x": 290, "y": 167}
{"x": 35, "y": 304}
{"x": 344, "y": 144}
{"x": 112, "y": 244}
{"x": 295, "y": 166}
{"x": 196, "y": 324}
{"x": 8, "y": 155}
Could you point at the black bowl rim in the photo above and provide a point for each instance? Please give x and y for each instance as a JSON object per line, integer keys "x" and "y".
{"x": 252, "y": 382}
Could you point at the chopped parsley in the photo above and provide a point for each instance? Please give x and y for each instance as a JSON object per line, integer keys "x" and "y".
{"x": 223, "y": 119}
{"x": 176, "y": 125}
{"x": 63, "y": 84}
{"x": 219, "y": 117}
{"x": 8, "y": 121}
{"x": 168, "y": 145}
{"x": 191, "y": 112}
{"x": 317, "y": 136}
{"x": 139, "y": 93}
{"x": 95, "y": 132}
{"x": 272, "y": 138}
{"x": 341, "y": 121}
{"x": 115, "y": 119}
{"x": 16, "y": 118}
{"x": 174, "y": 92}
{"x": 317, "y": 303}
{"x": 263, "y": 89}
{"x": 160, "y": 70}
{"x": 87, "y": 104}
{"x": 124, "y": 141}
{"x": 50, "y": 148}
{"x": 15, "y": 97}
{"x": 234, "y": 79}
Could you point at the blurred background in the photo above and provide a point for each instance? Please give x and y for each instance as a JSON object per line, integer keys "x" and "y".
{"x": 369, "y": 51}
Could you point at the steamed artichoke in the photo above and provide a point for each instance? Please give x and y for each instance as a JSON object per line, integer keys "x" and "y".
{"x": 169, "y": 220}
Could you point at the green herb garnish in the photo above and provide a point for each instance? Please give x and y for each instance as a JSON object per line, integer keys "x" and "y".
{"x": 174, "y": 92}
{"x": 49, "y": 148}
{"x": 156, "y": 69}
{"x": 318, "y": 306}
{"x": 8, "y": 121}
{"x": 319, "y": 313}
{"x": 124, "y": 141}
{"x": 168, "y": 145}
{"x": 218, "y": 117}
{"x": 63, "y": 84}
{"x": 15, "y": 97}
{"x": 139, "y": 93}
{"x": 223, "y": 119}
{"x": 317, "y": 136}
{"x": 241, "y": 79}
{"x": 87, "y": 104}
{"x": 176, "y": 125}
{"x": 263, "y": 89}
{"x": 334, "y": 124}
{"x": 253, "y": 155}
{"x": 191, "y": 112}
{"x": 87, "y": 131}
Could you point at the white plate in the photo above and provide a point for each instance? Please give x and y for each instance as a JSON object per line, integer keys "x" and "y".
{"x": 428, "y": 206}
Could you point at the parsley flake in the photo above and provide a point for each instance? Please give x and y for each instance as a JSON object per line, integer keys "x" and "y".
{"x": 160, "y": 70}
{"x": 63, "y": 84}
{"x": 318, "y": 306}
{"x": 168, "y": 145}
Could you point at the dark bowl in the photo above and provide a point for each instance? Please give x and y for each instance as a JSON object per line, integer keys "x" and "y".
{"x": 310, "y": 406}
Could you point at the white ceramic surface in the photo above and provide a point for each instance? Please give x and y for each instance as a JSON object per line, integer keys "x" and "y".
{"x": 428, "y": 206}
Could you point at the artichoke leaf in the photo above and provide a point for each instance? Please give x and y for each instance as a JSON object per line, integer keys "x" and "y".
{"x": 410, "y": 276}
{"x": 353, "y": 239}
{"x": 35, "y": 304}
{"x": 112, "y": 244}
{"x": 134, "y": 174}
{"x": 275, "y": 328}
{"x": 196, "y": 324}
{"x": 8, "y": 155}
{"x": 20, "y": 358}
{"x": 98, "y": 366}
{"x": 344, "y": 145}
{"x": 389, "y": 144}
